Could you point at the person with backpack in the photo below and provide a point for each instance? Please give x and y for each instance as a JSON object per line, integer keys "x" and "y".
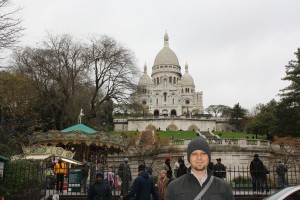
{"x": 142, "y": 187}
{"x": 258, "y": 173}
{"x": 199, "y": 183}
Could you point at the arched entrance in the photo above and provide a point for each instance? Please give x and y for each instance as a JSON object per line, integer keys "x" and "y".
{"x": 156, "y": 113}
{"x": 193, "y": 128}
{"x": 173, "y": 113}
{"x": 150, "y": 128}
{"x": 172, "y": 127}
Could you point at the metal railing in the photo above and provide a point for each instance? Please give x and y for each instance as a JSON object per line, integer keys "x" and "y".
{"x": 38, "y": 182}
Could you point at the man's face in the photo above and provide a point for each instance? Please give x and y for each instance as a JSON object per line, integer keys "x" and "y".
{"x": 199, "y": 160}
{"x": 99, "y": 179}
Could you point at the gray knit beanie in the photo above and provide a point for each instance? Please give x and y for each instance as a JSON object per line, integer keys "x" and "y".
{"x": 198, "y": 144}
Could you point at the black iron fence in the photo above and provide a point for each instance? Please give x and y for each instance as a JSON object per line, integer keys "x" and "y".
{"x": 34, "y": 181}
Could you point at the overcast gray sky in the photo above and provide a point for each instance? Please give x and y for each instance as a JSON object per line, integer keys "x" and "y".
{"x": 236, "y": 49}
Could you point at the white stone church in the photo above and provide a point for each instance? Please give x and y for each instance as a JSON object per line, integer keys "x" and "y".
{"x": 168, "y": 92}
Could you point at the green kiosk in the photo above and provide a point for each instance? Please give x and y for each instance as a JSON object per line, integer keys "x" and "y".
{"x": 74, "y": 182}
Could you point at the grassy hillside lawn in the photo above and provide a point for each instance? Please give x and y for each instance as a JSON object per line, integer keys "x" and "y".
{"x": 192, "y": 134}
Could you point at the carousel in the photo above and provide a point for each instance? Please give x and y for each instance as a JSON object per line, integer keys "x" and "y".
{"x": 78, "y": 142}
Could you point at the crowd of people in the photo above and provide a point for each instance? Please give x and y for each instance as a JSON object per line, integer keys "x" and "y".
{"x": 202, "y": 179}
{"x": 196, "y": 181}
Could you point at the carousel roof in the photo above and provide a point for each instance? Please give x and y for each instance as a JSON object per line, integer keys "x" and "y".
{"x": 79, "y": 127}
{"x": 78, "y": 134}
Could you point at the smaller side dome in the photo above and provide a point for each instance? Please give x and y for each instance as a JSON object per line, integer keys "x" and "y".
{"x": 187, "y": 79}
{"x": 145, "y": 78}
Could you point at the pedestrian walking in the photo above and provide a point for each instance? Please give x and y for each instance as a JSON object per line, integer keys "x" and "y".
{"x": 162, "y": 184}
{"x": 167, "y": 164}
{"x": 257, "y": 173}
{"x": 199, "y": 183}
{"x": 182, "y": 170}
{"x": 176, "y": 165}
{"x": 124, "y": 173}
{"x": 219, "y": 169}
{"x": 100, "y": 190}
{"x": 143, "y": 186}
{"x": 281, "y": 170}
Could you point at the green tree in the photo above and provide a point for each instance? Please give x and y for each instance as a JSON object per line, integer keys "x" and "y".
{"x": 16, "y": 113}
{"x": 217, "y": 110}
{"x": 288, "y": 111}
{"x": 265, "y": 119}
{"x": 237, "y": 117}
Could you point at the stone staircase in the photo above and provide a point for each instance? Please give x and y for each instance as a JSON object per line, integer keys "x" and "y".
{"x": 208, "y": 135}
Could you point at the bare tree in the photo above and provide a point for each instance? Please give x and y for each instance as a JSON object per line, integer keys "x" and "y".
{"x": 149, "y": 144}
{"x": 289, "y": 146}
{"x": 10, "y": 26}
{"x": 56, "y": 70}
{"x": 115, "y": 72}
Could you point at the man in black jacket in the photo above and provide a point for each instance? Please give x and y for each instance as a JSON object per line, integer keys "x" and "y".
{"x": 143, "y": 186}
{"x": 100, "y": 190}
{"x": 258, "y": 173}
{"x": 219, "y": 169}
{"x": 188, "y": 186}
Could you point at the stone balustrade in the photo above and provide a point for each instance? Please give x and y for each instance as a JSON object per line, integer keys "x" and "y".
{"x": 255, "y": 143}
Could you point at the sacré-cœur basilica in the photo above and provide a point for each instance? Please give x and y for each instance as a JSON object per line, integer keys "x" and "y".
{"x": 170, "y": 98}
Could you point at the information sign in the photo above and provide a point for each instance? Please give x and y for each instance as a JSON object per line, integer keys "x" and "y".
{"x": 74, "y": 180}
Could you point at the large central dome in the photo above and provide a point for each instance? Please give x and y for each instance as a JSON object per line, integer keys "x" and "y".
{"x": 166, "y": 56}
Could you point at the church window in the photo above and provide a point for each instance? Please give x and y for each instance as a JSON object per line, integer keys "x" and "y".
{"x": 165, "y": 96}
{"x": 154, "y": 81}
{"x": 187, "y": 101}
{"x": 174, "y": 80}
{"x": 182, "y": 91}
{"x": 170, "y": 79}
{"x": 144, "y": 102}
{"x": 156, "y": 101}
{"x": 157, "y": 80}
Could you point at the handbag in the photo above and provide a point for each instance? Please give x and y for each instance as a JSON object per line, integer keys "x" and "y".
{"x": 198, "y": 197}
